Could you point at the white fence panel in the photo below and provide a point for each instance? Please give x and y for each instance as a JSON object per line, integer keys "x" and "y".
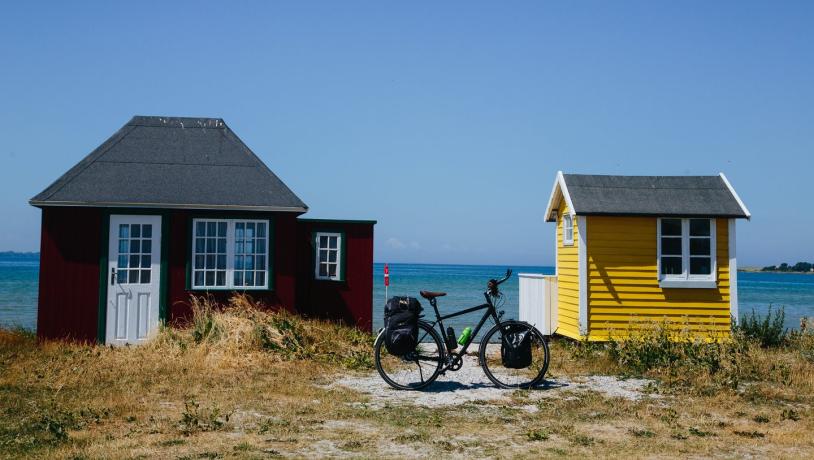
{"x": 538, "y": 301}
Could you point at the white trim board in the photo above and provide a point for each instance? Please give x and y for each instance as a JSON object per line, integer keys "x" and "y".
{"x": 733, "y": 272}
{"x": 735, "y": 194}
{"x": 559, "y": 183}
{"x": 582, "y": 251}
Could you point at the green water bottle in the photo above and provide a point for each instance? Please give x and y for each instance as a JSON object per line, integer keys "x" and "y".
{"x": 465, "y": 335}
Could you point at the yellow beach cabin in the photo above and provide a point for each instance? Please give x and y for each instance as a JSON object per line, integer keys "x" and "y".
{"x": 633, "y": 250}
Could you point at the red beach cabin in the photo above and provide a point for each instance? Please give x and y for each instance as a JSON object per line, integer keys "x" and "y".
{"x": 168, "y": 207}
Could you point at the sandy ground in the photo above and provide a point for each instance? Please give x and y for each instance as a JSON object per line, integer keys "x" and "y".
{"x": 470, "y": 384}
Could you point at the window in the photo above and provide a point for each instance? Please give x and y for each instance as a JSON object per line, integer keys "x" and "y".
{"x": 230, "y": 254}
{"x": 686, "y": 252}
{"x": 135, "y": 251}
{"x": 567, "y": 230}
{"x": 328, "y": 256}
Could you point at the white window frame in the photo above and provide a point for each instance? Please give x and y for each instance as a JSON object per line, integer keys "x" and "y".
{"x": 230, "y": 256}
{"x": 317, "y": 248}
{"x": 685, "y": 279}
{"x": 569, "y": 220}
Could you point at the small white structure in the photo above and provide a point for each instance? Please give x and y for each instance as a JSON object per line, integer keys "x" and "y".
{"x": 538, "y": 301}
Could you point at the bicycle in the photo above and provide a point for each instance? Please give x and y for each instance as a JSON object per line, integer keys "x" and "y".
{"x": 435, "y": 353}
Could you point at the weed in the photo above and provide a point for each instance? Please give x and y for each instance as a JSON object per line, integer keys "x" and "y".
{"x": 695, "y": 431}
{"x": 768, "y": 330}
{"x": 790, "y": 414}
{"x": 538, "y": 435}
{"x": 197, "y": 419}
{"x": 582, "y": 440}
{"x": 750, "y": 434}
{"x": 642, "y": 433}
{"x": 761, "y": 418}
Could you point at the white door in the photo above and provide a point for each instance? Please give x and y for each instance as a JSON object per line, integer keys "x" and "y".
{"x": 133, "y": 277}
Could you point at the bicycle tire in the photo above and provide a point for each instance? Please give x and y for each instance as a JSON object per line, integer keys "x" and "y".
{"x": 484, "y": 361}
{"x": 380, "y": 352}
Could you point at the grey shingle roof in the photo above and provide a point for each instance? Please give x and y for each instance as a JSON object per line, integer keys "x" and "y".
{"x": 172, "y": 162}
{"x": 709, "y": 196}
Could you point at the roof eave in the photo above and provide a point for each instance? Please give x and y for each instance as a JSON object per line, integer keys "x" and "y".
{"x": 208, "y": 207}
{"x": 559, "y": 185}
{"x": 735, "y": 195}
{"x": 650, "y": 214}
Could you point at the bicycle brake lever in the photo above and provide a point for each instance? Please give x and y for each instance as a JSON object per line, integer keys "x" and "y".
{"x": 500, "y": 314}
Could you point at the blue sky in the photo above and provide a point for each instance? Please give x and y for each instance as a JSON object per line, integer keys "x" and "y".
{"x": 444, "y": 121}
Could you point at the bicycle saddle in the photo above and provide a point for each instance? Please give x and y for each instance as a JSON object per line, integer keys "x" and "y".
{"x": 429, "y": 295}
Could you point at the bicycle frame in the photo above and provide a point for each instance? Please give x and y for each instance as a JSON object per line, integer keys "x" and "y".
{"x": 439, "y": 319}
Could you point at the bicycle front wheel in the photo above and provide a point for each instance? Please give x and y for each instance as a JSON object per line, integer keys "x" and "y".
{"x": 492, "y": 363}
{"x": 416, "y": 369}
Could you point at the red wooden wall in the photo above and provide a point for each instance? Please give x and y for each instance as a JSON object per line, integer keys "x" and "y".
{"x": 351, "y": 300}
{"x": 284, "y": 227}
{"x": 70, "y": 245}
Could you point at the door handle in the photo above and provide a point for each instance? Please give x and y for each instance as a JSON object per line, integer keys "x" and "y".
{"x": 112, "y": 276}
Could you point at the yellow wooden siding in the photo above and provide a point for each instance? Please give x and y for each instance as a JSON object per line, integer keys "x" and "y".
{"x": 567, "y": 280}
{"x": 623, "y": 287}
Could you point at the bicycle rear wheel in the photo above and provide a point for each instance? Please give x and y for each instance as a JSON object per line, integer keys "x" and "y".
{"x": 416, "y": 369}
{"x": 492, "y": 362}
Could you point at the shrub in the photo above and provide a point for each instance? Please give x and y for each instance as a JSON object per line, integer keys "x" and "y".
{"x": 767, "y": 330}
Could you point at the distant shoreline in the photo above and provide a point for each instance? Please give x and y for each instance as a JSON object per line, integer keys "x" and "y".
{"x": 758, "y": 270}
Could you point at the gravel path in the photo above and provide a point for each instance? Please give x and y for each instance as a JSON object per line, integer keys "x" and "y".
{"x": 470, "y": 384}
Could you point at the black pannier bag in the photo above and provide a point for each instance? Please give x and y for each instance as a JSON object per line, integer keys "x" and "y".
{"x": 515, "y": 349}
{"x": 401, "y": 325}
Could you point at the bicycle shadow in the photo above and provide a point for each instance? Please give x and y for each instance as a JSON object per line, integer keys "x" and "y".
{"x": 444, "y": 386}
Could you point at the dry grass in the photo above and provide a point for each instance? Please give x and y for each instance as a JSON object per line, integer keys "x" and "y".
{"x": 249, "y": 383}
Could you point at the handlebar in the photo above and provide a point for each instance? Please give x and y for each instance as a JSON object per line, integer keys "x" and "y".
{"x": 491, "y": 286}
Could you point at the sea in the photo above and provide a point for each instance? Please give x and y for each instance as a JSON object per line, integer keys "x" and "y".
{"x": 464, "y": 285}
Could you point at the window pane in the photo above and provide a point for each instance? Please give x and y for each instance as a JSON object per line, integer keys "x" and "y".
{"x": 210, "y": 278}
{"x": 238, "y": 278}
{"x": 147, "y": 231}
{"x": 332, "y": 270}
{"x": 200, "y": 229}
{"x": 261, "y": 230}
{"x": 332, "y": 256}
{"x": 199, "y": 261}
{"x": 210, "y": 245}
{"x": 323, "y": 255}
{"x": 146, "y": 261}
{"x": 250, "y": 230}
{"x": 121, "y": 276}
{"x": 133, "y": 276}
{"x": 210, "y": 261}
{"x": 123, "y": 246}
{"x": 700, "y": 265}
{"x": 239, "y": 230}
{"x": 239, "y": 247}
{"x": 671, "y": 227}
{"x": 147, "y": 246}
{"x": 200, "y": 245}
{"x": 122, "y": 262}
{"x": 220, "y": 278}
{"x": 249, "y": 263}
{"x": 135, "y": 246}
{"x": 699, "y": 227}
{"x": 199, "y": 277}
{"x": 135, "y": 231}
{"x": 323, "y": 241}
{"x": 249, "y": 279}
{"x": 222, "y": 229}
{"x": 260, "y": 279}
{"x": 124, "y": 231}
{"x": 671, "y": 266}
{"x": 332, "y": 241}
{"x": 261, "y": 262}
{"x": 133, "y": 261}
{"x": 221, "y": 245}
{"x": 261, "y": 246}
{"x": 249, "y": 247}
{"x": 671, "y": 246}
{"x": 239, "y": 262}
{"x": 145, "y": 277}
{"x": 699, "y": 246}
{"x": 323, "y": 269}
{"x": 210, "y": 228}
{"x": 221, "y": 262}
